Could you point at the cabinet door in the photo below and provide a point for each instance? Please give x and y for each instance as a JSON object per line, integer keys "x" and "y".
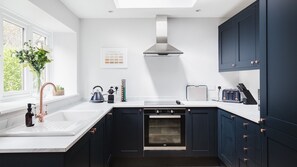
{"x": 278, "y": 80}
{"x": 128, "y": 137}
{"x": 227, "y": 148}
{"x": 97, "y": 145}
{"x": 202, "y": 131}
{"x": 79, "y": 154}
{"x": 248, "y": 38}
{"x": 227, "y": 45}
{"x": 108, "y": 138}
{"x": 280, "y": 149}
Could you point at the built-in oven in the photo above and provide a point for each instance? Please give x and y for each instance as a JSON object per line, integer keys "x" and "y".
{"x": 164, "y": 129}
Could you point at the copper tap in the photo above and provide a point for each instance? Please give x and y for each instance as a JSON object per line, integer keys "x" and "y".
{"x": 41, "y": 114}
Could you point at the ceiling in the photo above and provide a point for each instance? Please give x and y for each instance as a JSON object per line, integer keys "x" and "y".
{"x": 33, "y": 14}
{"x": 107, "y": 9}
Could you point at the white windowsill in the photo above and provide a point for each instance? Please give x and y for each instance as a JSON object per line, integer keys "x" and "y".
{"x": 13, "y": 106}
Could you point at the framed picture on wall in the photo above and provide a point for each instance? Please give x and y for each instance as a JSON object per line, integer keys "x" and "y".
{"x": 114, "y": 58}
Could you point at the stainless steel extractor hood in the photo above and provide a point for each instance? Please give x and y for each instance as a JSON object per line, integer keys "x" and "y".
{"x": 162, "y": 48}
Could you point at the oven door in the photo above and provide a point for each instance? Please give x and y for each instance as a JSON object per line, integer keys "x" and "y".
{"x": 164, "y": 131}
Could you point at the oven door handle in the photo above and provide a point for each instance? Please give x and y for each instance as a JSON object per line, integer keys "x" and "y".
{"x": 164, "y": 116}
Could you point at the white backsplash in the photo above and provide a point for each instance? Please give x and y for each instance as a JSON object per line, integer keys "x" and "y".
{"x": 251, "y": 79}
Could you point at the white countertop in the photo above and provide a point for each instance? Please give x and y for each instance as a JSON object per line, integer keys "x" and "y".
{"x": 62, "y": 144}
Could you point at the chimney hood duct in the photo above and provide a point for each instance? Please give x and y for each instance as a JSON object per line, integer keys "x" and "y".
{"x": 162, "y": 48}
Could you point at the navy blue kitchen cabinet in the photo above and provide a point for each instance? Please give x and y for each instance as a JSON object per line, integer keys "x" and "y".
{"x": 239, "y": 141}
{"x": 77, "y": 156}
{"x": 248, "y": 143}
{"x": 239, "y": 41}
{"x": 97, "y": 145}
{"x": 202, "y": 131}
{"x": 227, "y": 45}
{"x": 278, "y": 49}
{"x": 248, "y": 38}
{"x": 80, "y": 154}
{"x": 227, "y": 138}
{"x": 87, "y": 152}
{"x": 128, "y": 132}
{"x": 108, "y": 138}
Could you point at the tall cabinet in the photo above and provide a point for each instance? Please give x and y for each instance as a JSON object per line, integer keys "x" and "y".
{"x": 278, "y": 37}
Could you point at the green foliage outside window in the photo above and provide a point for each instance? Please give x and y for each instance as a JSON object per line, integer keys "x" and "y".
{"x": 13, "y": 72}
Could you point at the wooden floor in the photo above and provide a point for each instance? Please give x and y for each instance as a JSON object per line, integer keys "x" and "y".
{"x": 166, "y": 162}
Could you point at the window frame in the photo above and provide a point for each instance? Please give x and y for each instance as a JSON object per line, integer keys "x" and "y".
{"x": 29, "y": 29}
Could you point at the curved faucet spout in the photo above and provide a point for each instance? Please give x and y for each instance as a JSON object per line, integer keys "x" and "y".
{"x": 41, "y": 114}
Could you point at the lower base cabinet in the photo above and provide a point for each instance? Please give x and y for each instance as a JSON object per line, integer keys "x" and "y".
{"x": 128, "y": 132}
{"x": 201, "y": 131}
{"x": 80, "y": 154}
{"x": 239, "y": 141}
{"x": 209, "y": 133}
{"x": 87, "y": 152}
{"x": 227, "y": 138}
{"x": 97, "y": 141}
{"x": 248, "y": 143}
{"x": 108, "y": 138}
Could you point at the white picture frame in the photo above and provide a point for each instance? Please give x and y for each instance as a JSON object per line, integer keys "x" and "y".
{"x": 113, "y": 58}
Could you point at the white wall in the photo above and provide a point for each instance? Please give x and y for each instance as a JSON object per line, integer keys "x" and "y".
{"x": 151, "y": 77}
{"x": 64, "y": 67}
{"x": 251, "y": 80}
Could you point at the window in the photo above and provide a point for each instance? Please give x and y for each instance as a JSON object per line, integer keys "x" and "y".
{"x": 13, "y": 71}
{"x": 16, "y": 79}
{"x": 39, "y": 40}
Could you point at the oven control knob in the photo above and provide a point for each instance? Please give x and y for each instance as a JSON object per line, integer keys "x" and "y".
{"x": 157, "y": 111}
{"x": 172, "y": 112}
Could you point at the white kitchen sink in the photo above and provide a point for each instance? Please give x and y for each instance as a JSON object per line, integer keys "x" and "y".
{"x": 63, "y": 123}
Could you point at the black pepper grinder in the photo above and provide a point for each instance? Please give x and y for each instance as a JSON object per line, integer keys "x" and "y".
{"x": 29, "y": 116}
{"x": 111, "y": 95}
{"x": 219, "y": 92}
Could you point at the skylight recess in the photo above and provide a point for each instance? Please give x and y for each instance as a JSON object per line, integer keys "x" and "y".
{"x": 154, "y": 3}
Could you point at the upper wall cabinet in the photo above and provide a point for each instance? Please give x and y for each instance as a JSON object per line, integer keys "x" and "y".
{"x": 239, "y": 41}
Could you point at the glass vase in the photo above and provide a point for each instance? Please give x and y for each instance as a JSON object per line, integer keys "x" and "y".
{"x": 36, "y": 84}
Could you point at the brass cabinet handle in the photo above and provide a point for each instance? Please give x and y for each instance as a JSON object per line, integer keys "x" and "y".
{"x": 93, "y": 131}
